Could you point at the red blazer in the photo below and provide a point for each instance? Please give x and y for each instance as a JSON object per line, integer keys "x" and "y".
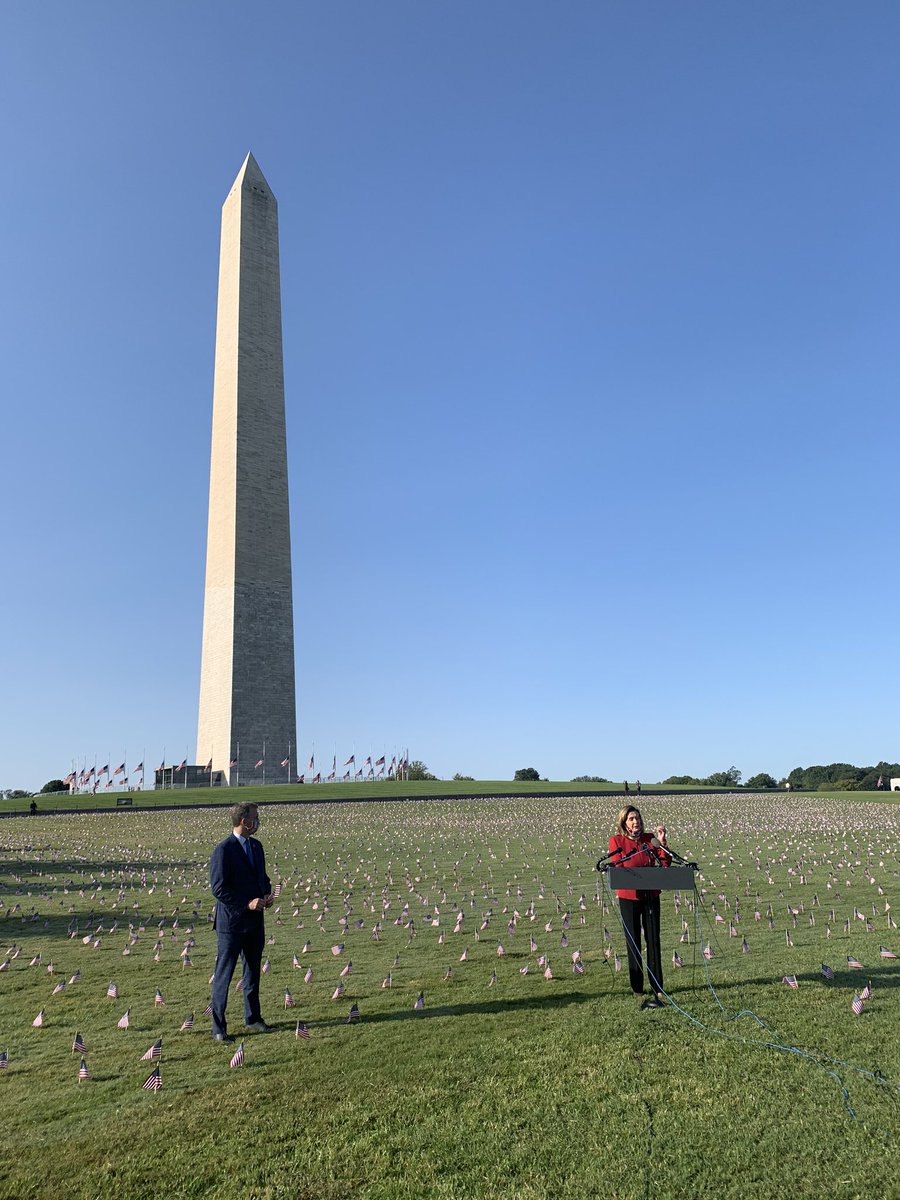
{"x": 623, "y": 847}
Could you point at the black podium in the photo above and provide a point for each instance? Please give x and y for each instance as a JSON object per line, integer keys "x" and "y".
{"x": 651, "y": 879}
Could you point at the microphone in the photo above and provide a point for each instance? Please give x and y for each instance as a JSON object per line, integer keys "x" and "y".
{"x": 640, "y": 848}
{"x": 674, "y": 855}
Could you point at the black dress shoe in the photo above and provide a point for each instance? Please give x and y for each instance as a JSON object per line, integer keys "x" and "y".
{"x": 222, "y": 1037}
{"x": 259, "y": 1027}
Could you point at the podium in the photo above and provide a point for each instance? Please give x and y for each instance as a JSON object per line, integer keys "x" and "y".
{"x": 651, "y": 879}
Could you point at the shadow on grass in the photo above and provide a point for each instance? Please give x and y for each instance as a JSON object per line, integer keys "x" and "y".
{"x": 72, "y": 872}
{"x": 881, "y": 976}
{"x": 482, "y": 1008}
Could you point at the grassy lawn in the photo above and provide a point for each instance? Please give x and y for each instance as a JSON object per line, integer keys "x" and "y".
{"x": 517, "y": 1088}
{"x": 327, "y": 792}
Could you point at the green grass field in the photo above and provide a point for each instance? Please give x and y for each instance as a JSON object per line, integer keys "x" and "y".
{"x": 305, "y": 793}
{"x": 522, "y": 1087}
{"x": 343, "y": 792}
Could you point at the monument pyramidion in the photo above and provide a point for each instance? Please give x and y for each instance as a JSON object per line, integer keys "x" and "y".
{"x": 247, "y": 727}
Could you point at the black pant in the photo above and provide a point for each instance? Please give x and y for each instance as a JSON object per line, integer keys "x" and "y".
{"x": 636, "y": 913}
{"x": 246, "y": 944}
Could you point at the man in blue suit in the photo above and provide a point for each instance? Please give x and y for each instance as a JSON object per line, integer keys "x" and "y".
{"x": 237, "y": 876}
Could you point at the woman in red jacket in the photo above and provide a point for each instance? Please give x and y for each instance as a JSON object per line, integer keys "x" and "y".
{"x": 632, "y": 847}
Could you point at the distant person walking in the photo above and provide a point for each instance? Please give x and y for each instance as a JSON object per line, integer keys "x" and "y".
{"x": 627, "y": 793}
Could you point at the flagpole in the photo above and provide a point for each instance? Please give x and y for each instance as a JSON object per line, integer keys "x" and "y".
{"x": 264, "y": 762}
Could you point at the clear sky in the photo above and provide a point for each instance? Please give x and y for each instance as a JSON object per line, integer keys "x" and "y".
{"x": 590, "y": 322}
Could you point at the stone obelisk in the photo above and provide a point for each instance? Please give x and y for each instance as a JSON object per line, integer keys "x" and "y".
{"x": 248, "y": 710}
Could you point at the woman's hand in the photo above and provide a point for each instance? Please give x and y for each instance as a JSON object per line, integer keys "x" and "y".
{"x": 661, "y": 834}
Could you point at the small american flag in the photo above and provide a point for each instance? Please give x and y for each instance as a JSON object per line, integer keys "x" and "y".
{"x": 885, "y": 953}
{"x": 38, "y": 1020}
{"x": 155, "y": 1051}
{"x": 853, "y": 963}
{"x": 857, "y": 1005}
{"x": 187, "y": 1023}
{"x": 78, "y": 1045}
{"x": 237, "y": 1059}
{"x": 827, "y": 972}
{"x": 301, "y": 1031}
{"x": 707, "y": 952}
{"x": 123, "y": 1020}
{"x": 153, "y": 1082}
{"x": 288, "y": 999}
{"x": 4, "y": 1059}
{"x": 420, "y": 1002}
{"x": 83, "y": 1072}
{"x": 113, "y": 992}
{"x": 158, "y": 999}
{"x": 354, "y": 1014}
{"x": 266, "y": 967}
{"x": 677, "y": 960}
{"x": 308, "y": 977}
{"x": 791, "y": 981}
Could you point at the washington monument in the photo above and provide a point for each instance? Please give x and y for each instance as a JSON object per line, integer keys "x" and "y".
{"x": 248, "y": 720}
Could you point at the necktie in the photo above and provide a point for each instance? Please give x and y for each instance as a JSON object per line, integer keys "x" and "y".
{"x": 249, "y": 850}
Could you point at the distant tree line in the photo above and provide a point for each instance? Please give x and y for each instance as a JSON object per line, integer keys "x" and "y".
{"x": 844, "y": 777}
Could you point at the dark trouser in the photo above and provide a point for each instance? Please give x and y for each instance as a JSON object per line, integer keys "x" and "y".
{"x": 232, "y": 946}
{"x": 636, "y": 913}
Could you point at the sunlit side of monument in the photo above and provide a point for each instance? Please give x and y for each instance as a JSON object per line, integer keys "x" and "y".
{"x": 247, "y": 689}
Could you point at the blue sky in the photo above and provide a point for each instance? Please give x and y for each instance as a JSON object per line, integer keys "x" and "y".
{"x": 590, "y": 323}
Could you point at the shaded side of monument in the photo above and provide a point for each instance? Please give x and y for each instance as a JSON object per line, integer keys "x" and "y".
{"x": 247, "y": 725}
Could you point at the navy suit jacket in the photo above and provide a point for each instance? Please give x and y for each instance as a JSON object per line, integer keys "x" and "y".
{"x": 235, "y": 882}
